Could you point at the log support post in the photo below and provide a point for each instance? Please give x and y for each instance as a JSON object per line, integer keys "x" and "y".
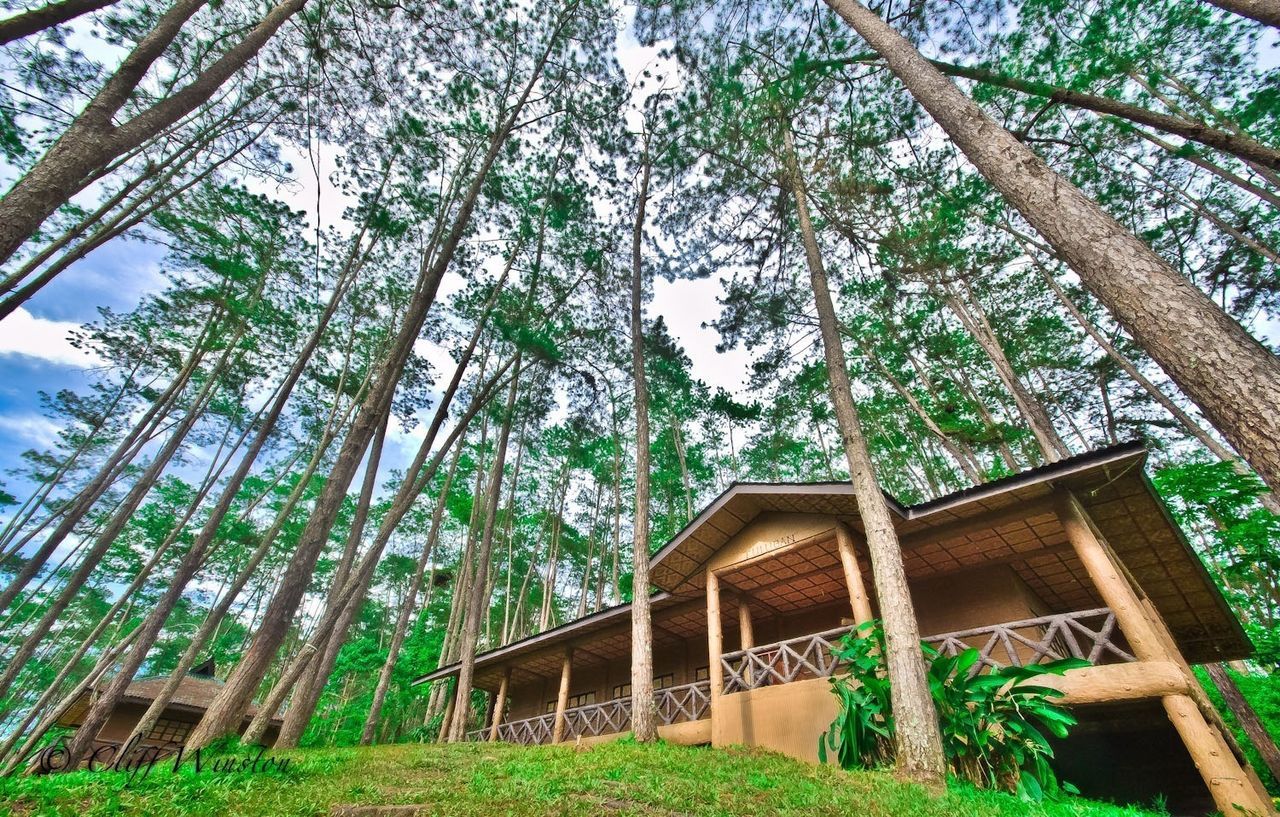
{"x": 450, "y": 697}
{"x": 1227, "y": 781}
{"x": 715, "y": 640}
{"x": 500, "y": 703}
{"x": 746, "y": 636}
{"x": 858, "y": 598}
{"x": 562, "y": 700}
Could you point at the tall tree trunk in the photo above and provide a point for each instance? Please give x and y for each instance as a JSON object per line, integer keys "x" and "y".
{"x": 124, "y": 512}
{"x": 225, "y": 712}
{"x": 418, "y": 476}
{"x": 89, "y": 495}
{"x": 1188, "y": 422}
{"x": 916, "y": 737}
{"x": 107, "y": 700}
{"x": 1225, "y": 371}
{"x": 1266, "y": 12}
{"x": 307, "y": 695}
{"x": 93, "y": 140}
{"x": 38, "y": 19}
{"x": 644, "y": 715}
{"x": 478, "y": 601}
{"x": 408, "y": 604}
{"x": 1246, "y": 717}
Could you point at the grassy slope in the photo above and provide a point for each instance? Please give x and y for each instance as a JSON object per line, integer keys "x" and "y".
{"x": 615, "y": 779}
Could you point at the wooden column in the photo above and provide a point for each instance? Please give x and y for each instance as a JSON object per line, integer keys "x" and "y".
{"x": 746, "y": 636}
{"x": 562, "y": 700}
{"x": 500, "y": 704}
{"x": 1110, "y": 582}
{"x": 1223, "y": 774}
{"x": 715, "y": 639}
{"x": 858, "y": 599}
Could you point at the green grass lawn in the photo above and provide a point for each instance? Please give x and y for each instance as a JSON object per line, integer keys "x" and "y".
{"x": 621, "y": 778}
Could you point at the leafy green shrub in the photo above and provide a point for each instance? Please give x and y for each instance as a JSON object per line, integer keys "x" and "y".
{"x": 993, "y": 724}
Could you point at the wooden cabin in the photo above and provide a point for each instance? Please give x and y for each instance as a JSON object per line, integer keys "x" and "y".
{"x": 194, "y": 694}
{"x": 1078, "y": 558}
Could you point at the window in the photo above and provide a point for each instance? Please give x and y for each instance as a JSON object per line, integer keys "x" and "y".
{"x": 167, "y": 730}
{"x": 702, "y": 674}
{"x": 664, "y": 681}
{"x": 622, "y": 691}
{"x": 585, "y": 699}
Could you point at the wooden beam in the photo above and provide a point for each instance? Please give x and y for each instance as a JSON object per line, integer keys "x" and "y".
{"x": 1109, "y": 683}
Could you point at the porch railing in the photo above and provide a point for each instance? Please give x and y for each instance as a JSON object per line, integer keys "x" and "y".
{"x": 1087, "y": 634}
{"x": 528, "y": 731}
{"x": 688, "y": 702}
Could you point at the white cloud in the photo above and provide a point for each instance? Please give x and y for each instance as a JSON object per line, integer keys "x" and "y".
{"x": 24, "y": 334}
{"x": 39, "y": 432}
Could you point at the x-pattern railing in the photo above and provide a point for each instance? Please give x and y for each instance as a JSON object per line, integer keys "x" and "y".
{"x": 598, "y": 719}
{"x": 1087, "y": 634}
{"x": 528, "y": 731}
{"x": 1083, "y": 634}
{"x": 687, "y": 702}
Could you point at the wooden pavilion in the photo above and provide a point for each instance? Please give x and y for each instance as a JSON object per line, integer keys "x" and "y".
{"x": 1079, "y": 557}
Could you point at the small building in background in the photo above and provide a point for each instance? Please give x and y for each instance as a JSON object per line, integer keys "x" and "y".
{"x": 192, "y": 697}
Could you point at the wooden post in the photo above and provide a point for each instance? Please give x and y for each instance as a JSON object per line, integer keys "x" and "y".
{"x": 562, "y": 700}
{"x": 715, "y": 638}
{"x": 858, "y": 598}
{"x": 500, "y": 704}
{"x": 746, "y": 636}
{"x": 1226, "y": 779}
{"x": 1106, "y": 575}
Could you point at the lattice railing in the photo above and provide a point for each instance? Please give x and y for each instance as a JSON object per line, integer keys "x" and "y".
{"x": 1087, "y": 634}
{"x": 688, "y": 702}
{"x": 528, "y": 731}
{"x": 476, "y": 735}
{"x": 598, "y": 719}
{"x": 782, "y": 662}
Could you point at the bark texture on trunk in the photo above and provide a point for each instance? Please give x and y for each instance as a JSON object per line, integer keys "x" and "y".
{"x": 917, "y": 740}
{"x": 1266, "y": 12}
{"x": 1233, "y": 378}
{"x": 644, "y": 716}
{"x": 1246, "y": 717}
{"x": 47, "y": 16}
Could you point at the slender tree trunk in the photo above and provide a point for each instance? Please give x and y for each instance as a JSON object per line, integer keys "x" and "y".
{"x": 93, "y": 140}
{"x": 408, "y": 604}
{"x": 1188, "y": 422}
{"x": 307, "y": 695}
{"x": 225, "y": 712}
{"x": 1246, "y": 717}
{"x": 916, "y": 736}
{"x": 478, "y": 602}
{"x": 121, "y": 516}
{"x": 1225, "y": 371}
{"x": 644, "y": 715}
{"x": 1033, "y": 411}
